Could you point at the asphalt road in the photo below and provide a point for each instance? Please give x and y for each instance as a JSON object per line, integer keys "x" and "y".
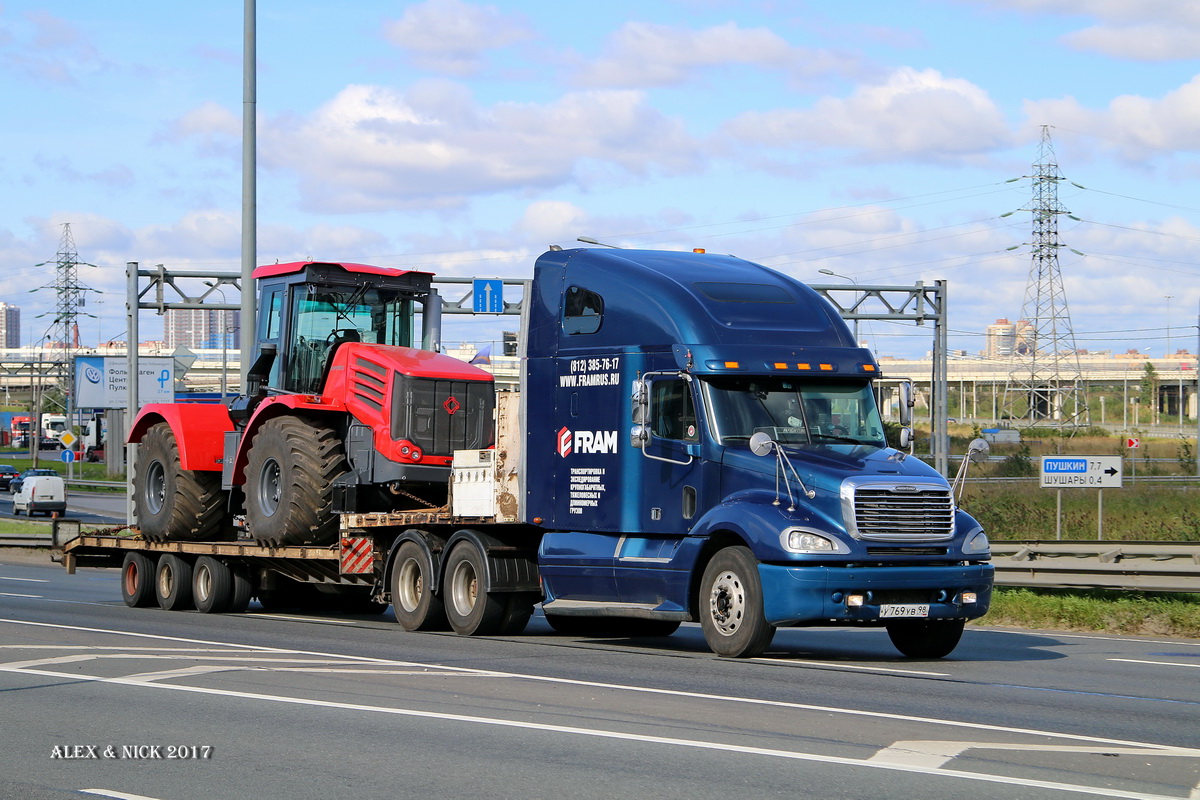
{"x": 162, "y": 704}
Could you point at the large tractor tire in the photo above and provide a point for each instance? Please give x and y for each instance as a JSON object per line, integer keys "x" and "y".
{"x": 174, "y": 504}
{"x": 290, "y": 471}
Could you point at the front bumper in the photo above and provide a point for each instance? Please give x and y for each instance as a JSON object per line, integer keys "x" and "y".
{"x": 816, "y": 594}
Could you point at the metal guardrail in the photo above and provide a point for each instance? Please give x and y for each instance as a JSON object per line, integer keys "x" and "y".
{"x": 1131, "y": 566}
{"x": 26, "y": 540}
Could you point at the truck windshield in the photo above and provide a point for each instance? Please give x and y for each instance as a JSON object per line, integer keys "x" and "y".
{"x": 794, "y": 412}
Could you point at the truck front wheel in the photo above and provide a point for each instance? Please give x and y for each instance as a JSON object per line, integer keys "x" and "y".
{"x": 731, "y": 605}
{"x": 926, "y": 638}
{"x": 470, "y": 608}
{"x": 174, "y": 504}
{"x": 289, "y": 482}
{"x": 415, "y": 605}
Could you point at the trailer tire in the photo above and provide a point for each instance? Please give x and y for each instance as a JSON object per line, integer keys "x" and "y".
{"x": 212, "y": 585}
{"x": 174, "y": 504}
{"x": 731, "y": 605}
{"x": 518, "y": 608}
{"x": 926, "y": 638}
{"x": 470, "y": 609}
{"x": 137, "y": 580}
{"x": 173, "y": 583}
{"x": 290, "y": 471}
{"x": 414, "y": 603}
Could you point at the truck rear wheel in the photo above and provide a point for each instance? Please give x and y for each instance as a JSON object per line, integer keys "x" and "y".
{"x": 174, "y": 504}
{"x": 173, "y": 582}
{"x": 218, "y": 588}
{"x": 289, "y": 482}
{"x": 470, "y": 608}
{"x": 414, "y": 603}
{"x": 731, "y": 605}
{"x": 137, "y": 580}
{"x": 926, "y": 638}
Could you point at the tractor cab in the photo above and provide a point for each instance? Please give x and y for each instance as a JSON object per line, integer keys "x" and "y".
{"x": 308, "y": 309}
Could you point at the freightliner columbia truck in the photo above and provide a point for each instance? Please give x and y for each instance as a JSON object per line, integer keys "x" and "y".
{"x": 694, "y": 438}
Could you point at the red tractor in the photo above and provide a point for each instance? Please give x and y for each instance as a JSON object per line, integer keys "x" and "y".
{"x": 342, "y": 413}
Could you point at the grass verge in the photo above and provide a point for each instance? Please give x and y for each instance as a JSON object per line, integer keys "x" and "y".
{"x": 1098, "y": 610}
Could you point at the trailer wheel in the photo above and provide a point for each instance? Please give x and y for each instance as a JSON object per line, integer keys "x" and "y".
{"x": 290, "y": 471}
{"x": 925, "y": 638}
{"x": 137, "y": 580}
{"x": 173, "y": 583}
{"x": 470, "y": 609}
{"x": 518, "y": 609}
{"x": 213, "y": 585}
{"x": 731, "y": 605}
{"x": 174, "y": 504}
{"x": 414, "y": 603}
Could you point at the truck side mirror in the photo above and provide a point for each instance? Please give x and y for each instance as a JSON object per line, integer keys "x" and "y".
{"x": 906, "y": 438}
{"x": 641, "y": 403}
{"x": 907, "y": 401}
{"x": 638, "y": 436}
{"x": 978, "y": 450}
{"x": 761, "y": 444}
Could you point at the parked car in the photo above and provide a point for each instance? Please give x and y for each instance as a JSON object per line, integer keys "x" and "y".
{"x": 50, "y": 443}
{"x": 41, "y": 493}
{"x": 14, "y": 485}
{"x": 7, "y": 474}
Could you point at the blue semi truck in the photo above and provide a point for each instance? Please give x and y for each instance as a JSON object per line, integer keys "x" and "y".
{"x": 694, "y": 437}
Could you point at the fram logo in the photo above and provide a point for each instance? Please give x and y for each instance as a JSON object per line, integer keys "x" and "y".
{"x": 585, "y": 442}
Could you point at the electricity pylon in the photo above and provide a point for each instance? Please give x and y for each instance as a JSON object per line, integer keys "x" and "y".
{"x": 70, "y": 294}
{"x": 1045, "y": 385}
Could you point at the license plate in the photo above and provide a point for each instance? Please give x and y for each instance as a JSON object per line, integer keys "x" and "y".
{"x": 905, "y": 610}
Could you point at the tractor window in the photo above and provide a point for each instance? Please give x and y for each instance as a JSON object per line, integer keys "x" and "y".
{"x": 672, "y": 415}
{"x": 323, "y": 317}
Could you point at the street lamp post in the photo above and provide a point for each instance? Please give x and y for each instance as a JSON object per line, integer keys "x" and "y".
{"x": 852, "y": 280}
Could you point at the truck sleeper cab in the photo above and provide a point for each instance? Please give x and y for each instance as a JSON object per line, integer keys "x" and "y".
{"x": 658, "y": 509}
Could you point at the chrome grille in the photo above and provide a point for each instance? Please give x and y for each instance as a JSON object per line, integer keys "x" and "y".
{"x": 903, "y": 512}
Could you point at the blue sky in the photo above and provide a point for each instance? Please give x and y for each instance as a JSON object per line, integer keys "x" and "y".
{"x": 875, "y": 139}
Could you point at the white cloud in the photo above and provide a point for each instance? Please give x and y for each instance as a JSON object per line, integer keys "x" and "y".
{"x": 1140, "y": 30}
{"x": 451, "y": 36}
{"x": 643, "y": 54}
{"x": 216, "y": 129}
{"x": 373, "y": 148}
{"x": 1149, "y": 41}
{"x": 1134, "y": 122}
{"x": 913, "y": 114}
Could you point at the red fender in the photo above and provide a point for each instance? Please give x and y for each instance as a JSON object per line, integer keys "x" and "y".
{"x": 199, "y": 430}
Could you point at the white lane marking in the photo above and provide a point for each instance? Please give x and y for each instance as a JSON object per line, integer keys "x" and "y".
{"x": 25, "y": 580}
{"x": 116, "y": 795}
{"x": 933, "y": 753}
{"x": 850, "y": 712}
{"x": 616, "y": 735}
{"x": 13, "y": 594}
{"x": 838, "y": 665}
{"x": 183, "y": 672}
{"x": 1156, "y": 663}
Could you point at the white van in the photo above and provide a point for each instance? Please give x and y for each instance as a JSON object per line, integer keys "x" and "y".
{"x": 44, "y": 493}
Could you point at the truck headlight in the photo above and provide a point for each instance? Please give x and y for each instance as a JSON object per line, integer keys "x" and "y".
{"x": 804, "y": 540}
{"x": 977, "y": 542}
